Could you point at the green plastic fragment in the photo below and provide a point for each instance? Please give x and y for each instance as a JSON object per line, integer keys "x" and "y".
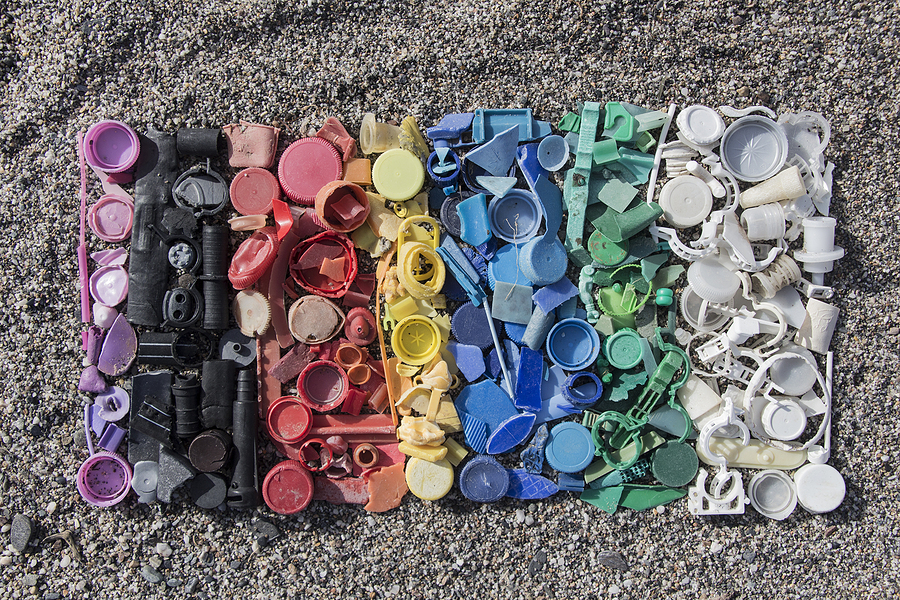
{"x": 622, "y": 226}
{"x": 637, "y": 471}
{"x": 570, "y": 122}
{"x": 605, "y": 151}
{"x": 667, "y": 276}
{"x": 639, "y": 163}
{"x": 622, "y": 383}
{"x": 619, "y": 124}
{"x": 645, "y": 321}
{"x": 605, "y": 251}
{"x": 577, "y": 185}
{"x": 651, "y": 264}
{"x": 643, "y": 497}
{"x": 599, "y": 468}
{"x": 606, "y": 499}
{"x": 674, "y": 464}
{"x": 645, "y": 141}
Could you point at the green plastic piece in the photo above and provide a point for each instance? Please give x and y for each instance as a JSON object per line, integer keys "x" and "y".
{"x": 604, "y": 325}
{"x": 623, "y": 349}
{"x": 615, "y": 192}
{"x": 645, "y": 141}
{"x": 639, "y": 163}
{"x": 649, "y": 441}
{"x": 664, "y": 297}
{"x": 643, "y": 497}
{"x": 605, "y": 251}
{"x": 622, "y": 383}
{"x": 675, "y": 464}
{"x": 363, "y": 237}
{"x": 645, "y": 321}
{"x": 577, "y": 185}
{"x": 651, "y": 264}
{"x": 606, "y": 499}
{"x": 605, "y": 151}
{"x": 666, "y": 277}
{"x": 622, "y": 226}
{"x": 570, "y": 122}
{"x": 621, "y": 300}
{"x": 640, "y": 469}
{"x": 619, "y": 123}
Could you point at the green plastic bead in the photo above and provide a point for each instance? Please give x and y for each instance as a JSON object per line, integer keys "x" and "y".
{"x": 664, "y": 297}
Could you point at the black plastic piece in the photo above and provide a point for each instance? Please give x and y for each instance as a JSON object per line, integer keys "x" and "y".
{"x": 155, "y": 419}
{"x": 201, "y": 190}
{"x": 148, "y": 268}
{"x": 158, "y": 387}
{"x": 244, "y": 489}
{"x": 197, "y": 141}
{"x": 210, "y": 451}
{"x": 185, "y": 349}
{"x": 217, "y": 404}
{"x": 214, "y": 274}
{"x": 208, "y": 490}
{"x": 186, "y": 391}
{"x": 182, "y": 307}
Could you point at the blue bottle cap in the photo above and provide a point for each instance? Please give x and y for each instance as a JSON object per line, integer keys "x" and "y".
{"x": 570, "y": 448}
{"x": 445, "y": 174}
{"x": 449, "y": 217}
{"x": 516, "y": 217}
{"x": 483, "y": 479}
{"x": 470, "y": 326}
{"x": 543, "y": 261}
{"x": 582, "y": 389}
{"x": 573, "y": 344}
{"x": 553, "y": 153}
{"x": 515, "y": 332}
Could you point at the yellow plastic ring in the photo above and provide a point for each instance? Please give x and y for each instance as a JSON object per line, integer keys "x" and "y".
{"x": 416, "y": 340}
{"x": 421, "y": 285}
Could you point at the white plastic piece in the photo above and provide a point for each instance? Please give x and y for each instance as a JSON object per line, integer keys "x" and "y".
{"x": 701, "y": 314}
{"x": 657, "y": 158}
{"x": 820, "y": 488}
{"x": 677, "y": 246}
{"x": 754, "y": 148}
{"x": 104, "y": 316}
{"x": 686, "y": 201}
{"x": 727, "y": 497}
{"x": 821, "y": 454}
{"x": 818, "y": 326}
{"x": 740, "y": 250}
{"x": 786, "y": 185}
{"x": 726, "y": 419}
{"x": 700, "y": 401}
{"x": 764, "y": 222}
{"x": 703, "y": 149}
{"x": 795, "y": 376}
{"x": 754, "y": 455}
{"x": 651, "y": 120}
{"x": 772, "y": 494}
{"x": 734, "y": 113}
{"x": 712, "y": 280}
{"x": 808, "y": 134}
{"x": 784, "y": 420}
{"x": 775, "y": 277}
{"x": 819, "y": 251}
{"x": 702, "y": 125}
{"x": 697, "y": 170}
{"x": 811, "y": 290}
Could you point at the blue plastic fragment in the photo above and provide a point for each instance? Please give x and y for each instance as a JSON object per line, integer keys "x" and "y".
{"x": 511, "y": 353}
{"x": 570, "y": 448}
{"x": 465, "y": 274}
{"x": 528, "y": 380}
{"x": 510, "y": 433}
{"x": 582, "y": 389}
{"x": 544, "y": 260}
{"x": 489, "y": 122}
{"x": 529, "y": 164}
{"x": 524, "y": 485}
{"x": 451, "y": 128}
{"x": 551, "y": 296}
{"x": 488, "y": 249}
{"x": 469, "y": 359}
{"x": 567, "y": 309}
{"x": 473, "y": 216}
{"x": 487, "y": 402}
{"x": 475, "y": 430}
{"x": 512, "y": 303}
{"x": 483, "y": 479}
{"x": 497, "y": 155}
{"x": 516, "y": 217}
{"x": 538, "y": 327}
{"x": 553, "y": 379}
{"x": 442, "y": 152}
{"x": 436, "y": 198}
{"x": 570, "y": 483}
{"x": 477, "y": 261}
{"x": 553, "y": 153}
{"x": 469, "y": 326}
{"x": 533, "y": 454}
{"x": 505, "y": 266}
{"x": 555, "y": 407}
{"x": 515, "y": 332}
{"x": 452, "y": 290}
{"x": 112, "y": 437}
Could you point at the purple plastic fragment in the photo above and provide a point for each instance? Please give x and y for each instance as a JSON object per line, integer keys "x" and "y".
{"x": 112, "y": 437}
{"x": 113, "y": 404}
{"x": 341, "y": 466}
{"x": 119, "y": 348}
{"x": 553, "y": 295}
{"x": 94, "y": 343}
{"x": 469, "y": 359}
{"x": 98, "y": 423}
{"x": 92, "y": 381}
{"x": 110, "y": 258}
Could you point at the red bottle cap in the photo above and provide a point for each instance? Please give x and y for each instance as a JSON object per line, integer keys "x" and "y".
{"x": 253, "y": 190}
{"x": 325, "y": 264}
{"x": 288, "y": 488}
{"x": 288, "y": 419}
{"x": 306, "y": 166}
{"x": 322, "y": 385}
{"x": 253, "y": 257}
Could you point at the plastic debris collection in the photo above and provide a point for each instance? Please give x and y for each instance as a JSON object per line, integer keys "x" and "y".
{"x": 409, "y": 312}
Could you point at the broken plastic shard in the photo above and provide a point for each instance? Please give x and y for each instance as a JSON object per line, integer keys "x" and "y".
{"x": 119, "y": 348}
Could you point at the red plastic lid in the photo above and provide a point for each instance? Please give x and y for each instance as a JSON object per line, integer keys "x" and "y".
{"x": 306, "y": 166}
{"x": 323, "y": 385}
{"x": 288, "y": 419}
{"x": 325, "y": 264}
{"x": 111, "y": 218}
{"x": 342, "y": 206}
{"x": 288, "y": 487}
{"x": 252, "y": 191}
{"x": 360, "y": 326}
{"x": 253, "y": 257}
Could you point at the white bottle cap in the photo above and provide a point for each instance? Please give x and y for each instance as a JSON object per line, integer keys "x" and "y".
{"x": 820, "y": 488}
{"x": 700, "y": 124}
{"x": 784, "y": 420}
{"x": 713, "y": 281}
{"x": 794, "y": 375}
{"x": 686, "y": 201}
{"x": 772, "y": 494}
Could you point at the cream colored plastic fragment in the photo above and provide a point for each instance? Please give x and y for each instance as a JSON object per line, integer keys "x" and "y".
{"x": 381, "y": 219}
{"x": 818, "y": 326}
{"x": 420, "y": 432}
{"x": 755, "y": 455}
{"x": 429, "y": 480}
{"x": 455, "y": 452}
{"x": 429, "y": 453}
{"x": 699, "y": 400}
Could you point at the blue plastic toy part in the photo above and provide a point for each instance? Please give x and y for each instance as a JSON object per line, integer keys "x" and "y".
{"x": 533, "y": 454}
{"x": 490, "y": 122}
{"x": 573, "y": 344}
{"x": 483, "y": 479}
{"x": 443, "y": 172}
{"x": 524, "y": 485}
{"x": 570, "y": 448}
{"x": 528, "y": 380}
{"x": 473, "y": 219}
{"x": 567, "y": 309}
{"x": 516, "y": 217}
{"x": 476, "y": 432}
{"x": 465, "y": 274}
{"x": 505, "y": 266}
{"x": 497, "y": 155}
{"x": 582, "y": 389}
{"x": 515, "y": 332}
{"x": 570, "y": 483}
{"x": 497, "y": 186}
{"x": 469, "y": 359}
{"x": 450, "y": 129}
{"x": 543, "y": 260}
{"x": 551, "y": 296}
{"x": 537, "y": 329}
{"x": 469, "y": 326}
{"x": 506, "y": 428}
{"x": 527, "y": 159}
{"x": 553, "y": 153}
{"x": 512, "y": 303}
{"x": 449, "y": 217}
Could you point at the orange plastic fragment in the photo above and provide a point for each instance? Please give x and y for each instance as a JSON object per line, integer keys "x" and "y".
{"x": 387, "y": 486}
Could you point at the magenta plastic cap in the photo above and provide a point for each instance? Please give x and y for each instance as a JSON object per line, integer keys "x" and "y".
{"x": 104, "y": 479}
{"x": 111, "y": 146}
{"x": 109, "y": 285}
{"x": 111, "y": 218}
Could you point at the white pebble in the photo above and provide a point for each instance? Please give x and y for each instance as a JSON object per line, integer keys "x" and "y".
{"x": 520, "y": 516}
{"x": 164, "y": 550}
{"x": 529, "y": 520}
{"x": 660, "y": 509}
{"x": 51, "y": 508}
{"x": 716, "y": 548}
{"x": 65, "y": 561}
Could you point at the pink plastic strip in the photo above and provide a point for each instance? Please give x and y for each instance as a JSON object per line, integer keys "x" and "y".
{"x": 82, "y": 248}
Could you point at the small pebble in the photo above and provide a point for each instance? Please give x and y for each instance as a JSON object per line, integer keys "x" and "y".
{"x": 520, "y": 516}
{"x": 151, "y": 574}
{"x": 164, "y": 549}
{"x": 65, "y": 561}
{"x": 51, "y": 508}
{"x": 613, "y": 560}
{"x": 716, "y": 548}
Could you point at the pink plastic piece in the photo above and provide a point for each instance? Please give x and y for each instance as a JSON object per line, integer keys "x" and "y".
{"x": 360, "y": 327}
{"x": 111, "y": 146}
{"x": 104, "y": 479}
{"x": 111, "y": 218}
{"x": 335, "y": 132}
{"x": 110, "y": 258}
{"x": 251, "y": 145}
{"x": 104, "y": 316}
{"x": 109, "y": 285}
{"x": 113, "y": 404}
{"x": 119, "y": 348}
{"x": 306, "y": 166}
{"x": 349, "y": 490}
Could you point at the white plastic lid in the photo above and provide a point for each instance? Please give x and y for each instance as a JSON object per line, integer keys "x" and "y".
{"x": 772, "y": 494}
{"x": 713, "y": 281}
{"x": 754, "y": 148}
{"x": 700, "y": 124}
{"x": 686, "y": 201}
{"x": 820, "y": 488}
{"x": 794, "y": 375}
{"x": 784, "y": 420}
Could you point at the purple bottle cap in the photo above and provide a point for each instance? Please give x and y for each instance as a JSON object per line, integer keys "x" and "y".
{"x": 104, "y": 479}
{"x": 113, "y": 404}
{"x": 109, "y": 285}
{"x": 111, "y": 146}
{"x": 111, "y": 218}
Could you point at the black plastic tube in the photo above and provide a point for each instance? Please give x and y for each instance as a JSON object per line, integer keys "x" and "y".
{"x": 243, "y": 492}
{"x": 214, "y": 274}
{"x": 218, "y": 386}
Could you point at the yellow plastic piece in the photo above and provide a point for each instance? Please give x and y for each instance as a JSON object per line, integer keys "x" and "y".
{"x": 377, "y": 137}
{"x": 429, "y": 480}
{"x": 381, "y": 219}
{"x": 439, "y": 302}
{"x": 411, "y": 138}
{"x": 429, "y": 453}
{"x": 418, "y": 205}
{"x": 448, "y": 358}
{"x": 443, "y": 324}
{"x": 755, "y": 455}
{"x": 365, "y": 238}
{"x": 398, "y": 175}
{"x": 404, "y": 307}
{"x": 404, "y": 370}
{"x": 419, "y": 431}
{"x": 416, "y": 340}
{"x": 455, "y": 452}
{"x": 599, "y": 468}
{"x": 413, "y": 229}
{"x": 417, "y": 261}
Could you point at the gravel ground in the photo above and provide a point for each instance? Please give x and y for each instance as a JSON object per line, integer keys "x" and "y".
{"x": 63, "y": 66}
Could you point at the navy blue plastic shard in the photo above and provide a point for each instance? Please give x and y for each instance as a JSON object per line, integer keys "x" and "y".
{"x": 475, "y": 431}
{"x": 510, "y": 433}
{"x": 497, "y": 155}
{"x": 551, "y": 296}
{"x": 511, "y": 354}
{"x": 533, "y": 454}
{"x": 483, "y": 479}
{"x": 436, "y": 198}
{"x": 490, "y": 122}
{"x": 451, "y": 128}
{"x": 487, "y": 249}
{"x": 469, "y": 325}
{"x": 570, "y": 483}
{"x": 479, "y": 263}
{"x": 528, "y": 486}
{"x": 527, "y": 158}
{"x": 528, "y": 381}
{"x": 452, "y": 290}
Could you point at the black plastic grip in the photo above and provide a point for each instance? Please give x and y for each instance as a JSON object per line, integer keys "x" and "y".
{"x": 218, "y": 386}
{"x": 244, "y": 489}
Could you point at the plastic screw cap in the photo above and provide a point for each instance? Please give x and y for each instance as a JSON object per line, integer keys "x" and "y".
{"x": 429, "y": 480}
{"x": 109, "y": 285}
{"x": 754, "y": 148}
{"x": 469, "y": 325}
{"x": 253, "y": 257}
{"x": 674, "y": 464}
{"x": 288, "y": 420}
{"x": 323, "y": 385}
{"x": 569, "y": 448}
{"x": 253, "y": 190}
{"x": 210, "y": 450}
{"x": 307, "y": 260}
{"x": 516, "y": 217}
{"x": 784, "y": 420}
{"x": 582, "y": 389}
{"x": 713, "y": 281}
{"x": 820, "y": 488}
{"x": 306, "y": 166}
{"x": 772, "y": 494}
{"x": 398, "y": 175}
{"x": 553, "y": 152}
{"x": 111, "y": 218}
{"x": 623, "y": 349}
{"x": 483, "y": 479}
{"x": 573, "y": 345}
{"x": 111, "y": 146}
{"x": 288, "y": 488}
{"x": 700, "y": 124}
{"x": 104, "y": 479}
{"x": 686, "y": 201}
{"x": 416, "y": 340}
{"x": 252, "y": 312}
{"x": 449, "y": 216}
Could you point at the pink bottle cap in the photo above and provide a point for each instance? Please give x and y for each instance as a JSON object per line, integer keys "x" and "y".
{"x": 252, "y": 191}
{"x": 253, "y": 258}
{"x": 111, "y": 146}
{"x": 111, "y": 218}
{"x": 306, "y": 166}
{"x": 322, "y": 385}
{"x": 104, "y": 479}
{"x": 109, "y": 285}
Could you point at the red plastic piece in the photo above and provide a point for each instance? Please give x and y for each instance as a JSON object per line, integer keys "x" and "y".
{"x": 288, "y": 420}
{"x": 349, "y": 490}
{"x": 355, "y": 399}
{"x": 360, "y": 327}
{"x": 387, "y": 486}
{"x": 323, "y": 385}
{"x": 253, "y": 258}
{"x": 284, "y": 219}
{"x": 288, "y": 488}
{"x": 268, "y": 353}
{"x": 253, "y": 190}
{"x": 342, "y": 206}
{"x": 309, "y": 255}
{"x": 335, "y": 132}
{"x": 347, "y": 425}
{"x": 291, "y": 364}
{"x": 360, "y": 292}
{"x": 251, "y": 144}
{"x": 306, "y": 166}
{"x": 315, "y": 455}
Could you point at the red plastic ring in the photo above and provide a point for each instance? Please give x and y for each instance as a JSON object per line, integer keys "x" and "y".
{"x": 308, "y": 263}
{"x": 342, "y": 206}
{"x": 309, "y": 454}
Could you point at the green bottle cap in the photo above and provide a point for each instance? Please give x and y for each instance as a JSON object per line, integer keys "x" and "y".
{"x": 674, "y": 464}
{"x": 623, "y": 349}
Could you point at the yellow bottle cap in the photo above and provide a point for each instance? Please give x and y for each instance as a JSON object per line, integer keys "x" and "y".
{"x": 429, "y": 480}
{"x": 398, "y": 175}
{"x": 416, "y": 340}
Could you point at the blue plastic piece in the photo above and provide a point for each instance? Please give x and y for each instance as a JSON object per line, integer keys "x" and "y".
{"x": 469, "y": 359}
{"x": 505, "y": 266}
{"x": 476, "y": 432}
{"x": 533, "y": 454}
{"x": 498, "y": 186}
{"x": 483, "y": 479}
{"x": 567, "y": 309}
{"x": 488, "y": 249}
{"x": 451, "y": 128}
{"x": 573, "y": 344}
{"x": 473, "y": 216}
{"x": 553, "y": 380}
{"x": 497, "y": 155}
{"x": 510, "y": 433}
{"x": 555, "y": 407}
{"x": 112, "y": 437}
{"x": 490, "y": 122}
{"x": 512, "y": 303}
{"x": 527, "y": 158}
{"x": 444, "y": 173}
{"x": 551, "y": 296}
{"x": 452, "y": 290}
{"x": 528, "y": 380}
{"x": 570, "y": 448}
{"x": 449, "y": 217}
{"x": 469, "y": 326}
{"x": 436, "y": 197}
{"x": 98, "y": 423}
{"x": 515, "y": 332}
{"x": 538, "y": 327}
{"x": 516, "y": 217}
{"x": 465, "y": 274}
{"x": 478, "y": 262}
{"x": 553, "y": 153}
{"x": 506, "y": 428}
{"x": 511, "y": 353}
{"x": 582, "y": 389}
{"x": 570, "y": 483}
{"x": 544, "y": 260}
{"x": 529, "y": 486}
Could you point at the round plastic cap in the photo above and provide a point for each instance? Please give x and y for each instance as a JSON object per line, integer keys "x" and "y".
{"x": 713, "y": 281}
{"x": 306, "y": 166}
{"x": 253, "y": 190}
{"x": 253, "y": 257}
{"x": 398, "y": 175}
{"x": 111, "y": 146}
{"x": 674, "y": 464}
{"x": 623, "y": 349}
{"x": 429, "y": 480}
{"x": 553, "y": 152}
{"x": 794, "y": 375}
{"x": 573, "y": 344}
{"x": 569, "y": 448}
{"x": 820, "y": 488}
{"x": 104, "y": 479}
{"x": 416, "y": 340}
{"x": 483, "y": 479}
{"x": 288, "y": 487}
{"x": 111, "y": 218}
{"x": 772, "y": 494}
{"x": 754, "y": 148}
{"x": 700, "y": 124}
{"x": 784, "y": 420}
{"x": 516, "y": 217}
{"x": 323, "y": 385}
{"x": 686, "y": 201}
{"x": 288, "y": 419}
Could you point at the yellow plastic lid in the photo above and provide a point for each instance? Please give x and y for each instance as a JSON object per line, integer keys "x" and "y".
{"x": 398, "y": 175}
{"x": 429, "y": 480}
{"x": 416, "y": 340}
